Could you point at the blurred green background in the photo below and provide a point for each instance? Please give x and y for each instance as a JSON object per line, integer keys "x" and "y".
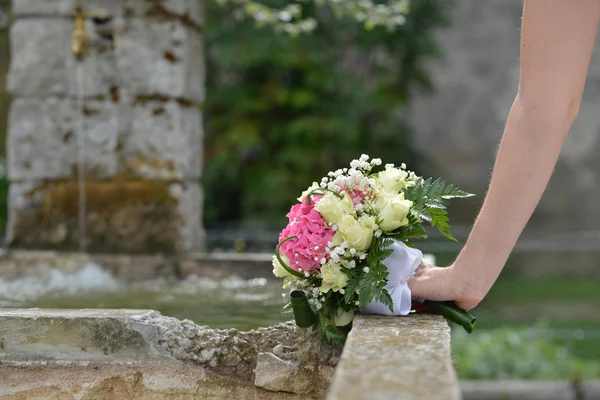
{"x": 282, "y": 111}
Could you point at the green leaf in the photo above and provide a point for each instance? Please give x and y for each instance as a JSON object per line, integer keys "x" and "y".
{"x": 430, "y": 198}
{"x": 439, "y": 219}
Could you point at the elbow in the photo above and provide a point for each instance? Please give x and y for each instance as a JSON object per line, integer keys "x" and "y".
{"x": 558, "y": 109}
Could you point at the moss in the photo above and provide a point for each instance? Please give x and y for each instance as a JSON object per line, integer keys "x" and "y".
{"x": 122, "y": 215}
{"x": 102, "y": 197}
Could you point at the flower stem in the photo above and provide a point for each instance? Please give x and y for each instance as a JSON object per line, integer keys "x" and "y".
{"x": 283, "y": 264}
{"x": 454, "y": 313}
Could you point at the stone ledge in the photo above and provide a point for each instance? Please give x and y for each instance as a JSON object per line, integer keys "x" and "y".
{"x": 389, "y": 358}
{"x": 66, "y": 340}
{"x": 18, "y": 263}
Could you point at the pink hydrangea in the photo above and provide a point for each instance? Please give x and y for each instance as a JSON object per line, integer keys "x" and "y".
{"x": 312, "y": 236}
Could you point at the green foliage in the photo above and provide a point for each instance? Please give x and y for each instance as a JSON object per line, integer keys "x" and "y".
{"x": 430, "y": 199}
{"x": 281, "y": 110}
{"x": 516, "y": 354}
{"x": 289, "y": 18}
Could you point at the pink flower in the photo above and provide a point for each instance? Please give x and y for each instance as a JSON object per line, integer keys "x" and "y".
{"x": 312, "y": 236}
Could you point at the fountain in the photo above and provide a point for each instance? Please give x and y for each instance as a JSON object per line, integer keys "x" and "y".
{"x": 105, "y": 143}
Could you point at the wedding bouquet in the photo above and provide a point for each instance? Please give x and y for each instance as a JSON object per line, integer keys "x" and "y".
{"x": 347, "y": 246}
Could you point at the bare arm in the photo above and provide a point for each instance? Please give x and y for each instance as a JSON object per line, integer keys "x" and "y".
{"x": 556, "y": 45}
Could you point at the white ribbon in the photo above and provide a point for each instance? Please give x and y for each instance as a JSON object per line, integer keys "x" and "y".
{"x": 402, "y": 265}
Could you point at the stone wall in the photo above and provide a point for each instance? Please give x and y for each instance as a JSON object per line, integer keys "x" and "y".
{"x": 476, "y": 82}
{"x": 131, "y": 354}
{"x": 142, "y": 81}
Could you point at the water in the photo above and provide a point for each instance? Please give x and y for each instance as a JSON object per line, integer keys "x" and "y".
{"x": 230, "y": 303}
{"x": 80, "y": 155}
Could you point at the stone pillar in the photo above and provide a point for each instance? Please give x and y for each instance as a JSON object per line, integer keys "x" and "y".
{"x": 143, "y": 83}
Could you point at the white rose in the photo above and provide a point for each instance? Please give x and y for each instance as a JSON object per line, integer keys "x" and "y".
{"x": 278, "y": 269}
{"x": 350, "y": 230}
{"x": 392, "y": 179}
{"x": 333, "y": 277}
{"x": 393, "y": 211}
{"x": 314, "y": 186}
{"x": 332, "y": 208}
{"x": 343, "y": 318}
{"x": 369, "y": 221}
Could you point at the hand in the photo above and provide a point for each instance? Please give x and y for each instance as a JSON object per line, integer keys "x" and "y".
{"x": 441, "y": 284}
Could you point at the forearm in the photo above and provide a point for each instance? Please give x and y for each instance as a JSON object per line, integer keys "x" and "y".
{"x": 530, "y": 147}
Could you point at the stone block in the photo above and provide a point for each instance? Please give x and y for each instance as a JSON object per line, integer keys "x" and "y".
{"x": 191, "y": 10}
{"x": 40, "y": 53}
{"x": 277, "y": 375}
{"x": 42, "y": 63}
{"x": 122, "y": 216}
{"x": 42, "y": 138}
{"x": 64, "y": 8}
{"x": 190, "y": 199}
{"x": 590, "y": 389}
{"x": 44, "y": 7}
{"x": 388, "y": 358}
{"x": 162, "y": 58}
{"x": 164, "y": 141}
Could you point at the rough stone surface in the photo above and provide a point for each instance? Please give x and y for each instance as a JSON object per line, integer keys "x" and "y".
{"x": 92, "y": 381}
{"x": 122, "y": 216}
{"x": 15, "y": 264}
{"x": 34, "y": 337}
{"x": 389, "y": 358}
{"x": 40, "y": 54}
{"x": 164, "y": 141}
{"x": 590, "y": 390}
{"x": 142, "y": 127}
{"x": 162, "y": 58}
{"x": 519, "y": 390}
{"x": 151, "y": 140}
{"x": 274, "y": 374}
{"x": 64, "y": 8}
{"x": 43, "y": 142}
{"x": 480, "y": 66}
{"x": 188, "y": 10}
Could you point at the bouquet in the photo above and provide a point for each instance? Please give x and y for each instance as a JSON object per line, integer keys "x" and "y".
{"x": 347, "y": 246}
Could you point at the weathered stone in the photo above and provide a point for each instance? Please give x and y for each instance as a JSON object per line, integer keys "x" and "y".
{"x": 590, "y": 390}
{"x": 111, "y": 381}
{"x": 221, "y": 265}
{"x": 518, "y": 390}
{"x": 153, "y": 140}
{"x": 129, "y": 336}
{"x": 161, "y": 58}
{"x": 389, "y": 358}
{"x": 121, "y": 215}
{"x": 42, "y": 141}
{"x": 46, "y": 7}
{"x": 188, "y": 10}
{"x": 191, "y": 10}
{"x": 16, "y": 264}
{"x": 40, "y": 57}
{"x": 273, "y": 373}
{"x": 165, "y": 141}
